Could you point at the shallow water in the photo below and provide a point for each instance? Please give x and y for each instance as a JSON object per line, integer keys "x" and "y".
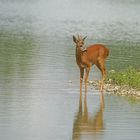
{"x": 39, "y": 79}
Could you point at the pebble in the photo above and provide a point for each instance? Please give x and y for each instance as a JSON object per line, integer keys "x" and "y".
{"x": 70, "y": 81}
{"x": 90, "y": 82}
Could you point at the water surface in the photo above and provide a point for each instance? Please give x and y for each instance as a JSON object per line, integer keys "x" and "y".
{"x": 39, "y": 78}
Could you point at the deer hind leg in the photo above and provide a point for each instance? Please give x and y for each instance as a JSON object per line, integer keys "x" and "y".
{"x": 101, "y": 65}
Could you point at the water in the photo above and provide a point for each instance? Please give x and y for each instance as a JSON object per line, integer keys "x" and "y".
{"x": 37, "y": 64}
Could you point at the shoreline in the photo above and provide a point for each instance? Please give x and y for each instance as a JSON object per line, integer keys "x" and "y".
{"x": 123, "y": 90}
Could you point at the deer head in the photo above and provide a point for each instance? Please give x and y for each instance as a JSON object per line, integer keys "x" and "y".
{"x": 79, "y": 41}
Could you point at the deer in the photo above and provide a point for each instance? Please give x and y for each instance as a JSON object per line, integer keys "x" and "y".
{"x": 86, "y": 57}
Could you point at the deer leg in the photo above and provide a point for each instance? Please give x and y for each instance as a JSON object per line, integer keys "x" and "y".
{"x": 86, "y": 78}
{"x": 102, "y": 68}
{"x": 81, "y": 78}
{"x": 103, "y": 78}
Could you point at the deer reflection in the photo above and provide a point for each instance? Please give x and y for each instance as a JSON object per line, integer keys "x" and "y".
{"x": 86, "y": 125}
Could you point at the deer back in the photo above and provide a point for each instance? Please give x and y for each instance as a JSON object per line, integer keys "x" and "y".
{"x": 92, "y": 54}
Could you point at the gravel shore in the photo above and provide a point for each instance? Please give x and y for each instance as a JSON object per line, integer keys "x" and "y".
{"x": 119, "y": 90}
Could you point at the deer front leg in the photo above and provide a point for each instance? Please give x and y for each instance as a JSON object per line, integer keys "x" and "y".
{"x": 81, "y": 78}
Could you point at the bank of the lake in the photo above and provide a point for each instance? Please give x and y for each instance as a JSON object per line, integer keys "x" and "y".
{"x": 125, "y": 83}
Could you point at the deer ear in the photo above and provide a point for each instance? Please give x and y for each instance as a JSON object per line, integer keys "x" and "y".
{"x": 84, "y": 38}
{"x": 74, "y": 39}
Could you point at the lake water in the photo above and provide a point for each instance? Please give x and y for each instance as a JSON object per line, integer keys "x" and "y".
{"x": 39, "y": 78}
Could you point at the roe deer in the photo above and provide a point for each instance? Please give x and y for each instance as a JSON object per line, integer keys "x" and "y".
{"x": 86, "y": 57}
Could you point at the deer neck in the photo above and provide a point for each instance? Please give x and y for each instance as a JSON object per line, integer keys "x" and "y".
{"x": 79, "y": 56}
